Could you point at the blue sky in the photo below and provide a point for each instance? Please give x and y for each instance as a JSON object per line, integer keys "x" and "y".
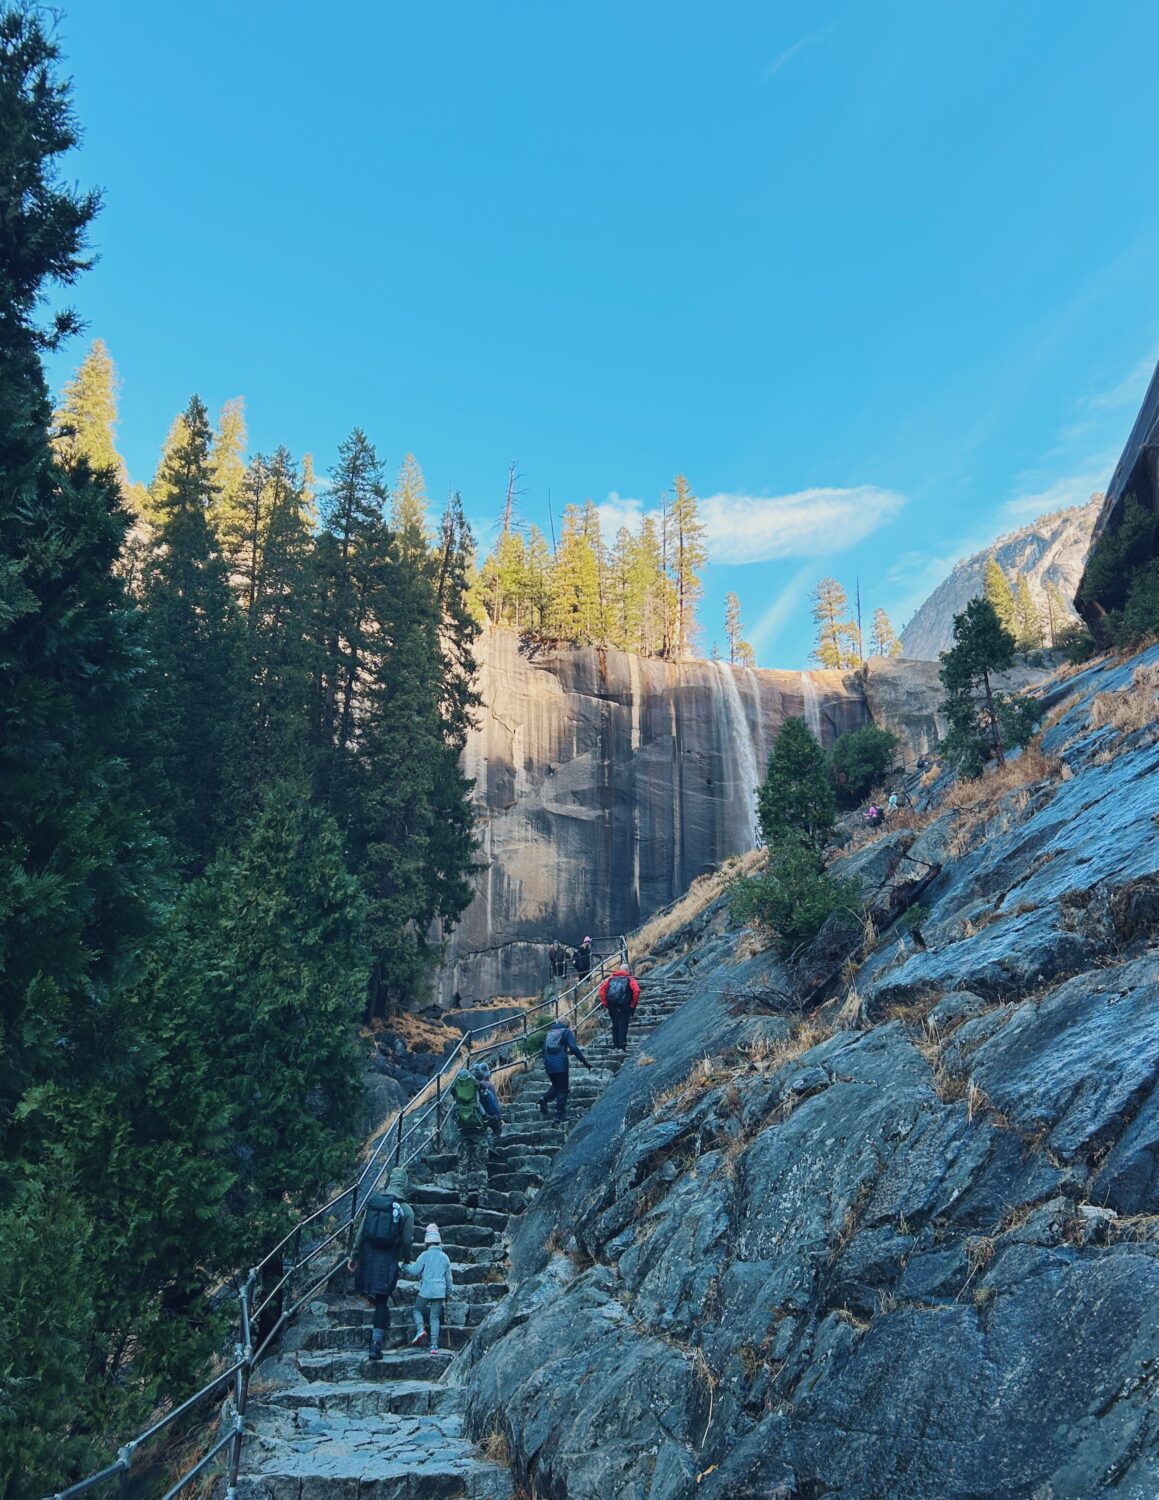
{"x": 880, "y": 279}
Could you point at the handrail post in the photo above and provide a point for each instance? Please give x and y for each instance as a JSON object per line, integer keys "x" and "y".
{"x": 125, "y": 1459}
{"x": 438, "y": 1110}
{"x": 286, "y": 1297}
{"x": 245, "y": 1354}
{"x": 398, "y": 1143}
{"x": 353, "y": 1216}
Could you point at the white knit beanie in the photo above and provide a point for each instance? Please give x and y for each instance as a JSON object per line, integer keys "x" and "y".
{"x": 432, "y": 1236}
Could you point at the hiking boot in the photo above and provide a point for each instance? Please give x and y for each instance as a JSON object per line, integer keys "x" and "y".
{"x": 375, "y": 1352}
{"x": 420, "y": 1337}
{"x": 543, "y": 1109}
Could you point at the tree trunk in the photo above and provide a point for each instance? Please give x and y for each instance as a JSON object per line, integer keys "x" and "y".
{"x": 995, "y": 736}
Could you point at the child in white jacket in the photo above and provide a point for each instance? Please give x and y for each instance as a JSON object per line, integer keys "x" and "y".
{"x": 433, "y": 1273}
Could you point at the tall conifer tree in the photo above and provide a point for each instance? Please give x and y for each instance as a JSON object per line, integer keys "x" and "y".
{"x": 75, "y": 880}
{"x": 193, "y": 632}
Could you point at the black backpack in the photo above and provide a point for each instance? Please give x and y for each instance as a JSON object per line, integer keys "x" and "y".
{"x": 384, "y": 1222}
{"x": 619, "y": 991}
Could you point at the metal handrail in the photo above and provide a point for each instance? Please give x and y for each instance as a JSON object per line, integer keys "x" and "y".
{"x": 394, "y": 1138}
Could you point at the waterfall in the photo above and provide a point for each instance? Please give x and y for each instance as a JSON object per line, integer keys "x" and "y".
{"x": 762, "y": 744}
{"x": 812, "y": 706}
{"x": 744, "y": 758}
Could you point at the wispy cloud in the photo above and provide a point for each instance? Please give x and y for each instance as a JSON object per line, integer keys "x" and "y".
{"x": 810, "y": 523}
{"x": 769, "y": 528}
{"x": 785, "y": 57}
{"x": 1063, "y": 492}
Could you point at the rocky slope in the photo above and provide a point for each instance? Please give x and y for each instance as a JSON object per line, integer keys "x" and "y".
{"x": 1051, "y": 549}
{"x": 905, "y": 1244}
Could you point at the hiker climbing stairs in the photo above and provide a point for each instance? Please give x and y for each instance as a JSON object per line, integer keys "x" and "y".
{"x": 325, "y": 1420}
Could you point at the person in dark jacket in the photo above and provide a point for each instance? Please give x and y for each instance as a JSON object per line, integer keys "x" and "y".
{"x": 488, "y": 1098}
{"x": 557, "y": 958}
{"x": 558, "y": 1042}
{"x": 619, "y": 995}
{"x": 375, "y": 1264}
{"x": 582, "y": 958}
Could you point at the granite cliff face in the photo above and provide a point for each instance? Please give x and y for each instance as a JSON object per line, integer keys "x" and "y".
{"x": 1052, "y": 549}
{"x": 604, "y": 784}
{"x": 903, "y": 1244}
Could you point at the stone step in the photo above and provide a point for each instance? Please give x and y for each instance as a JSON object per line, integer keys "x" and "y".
{"x": 364, "y": 1398}
{"x": 387, "y": 1457}
{"x": 399, "y": 1362}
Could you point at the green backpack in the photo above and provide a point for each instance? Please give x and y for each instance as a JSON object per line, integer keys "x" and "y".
{"x": 468, "y": 1107}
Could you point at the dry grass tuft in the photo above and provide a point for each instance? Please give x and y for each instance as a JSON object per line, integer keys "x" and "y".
{"x": 850, "y": 1015}
{"x": 417, "y": 1032}
{"x": 700, "y": 894}
{"x": 495, "y": 1447}
{"x": 644, "y": 1061}
{"x": 1022, "y": 771}
{"x": 976, "y": 1100}
{"x": 1130, "y": 709}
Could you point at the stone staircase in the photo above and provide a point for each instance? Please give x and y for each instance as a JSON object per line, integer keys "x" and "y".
{"x": 326, "y": 1423}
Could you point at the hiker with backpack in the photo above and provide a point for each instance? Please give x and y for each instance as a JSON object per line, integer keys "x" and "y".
{"x": 488, "y": 1098}
{"x": 582, "y": 958}
{"x": 558, "y": 1042}
{"x": 619, "y": 995}
{"x": 386, "y": 1240}
{"x": 471, "y": 1118}
{"x": 432, "y": 1271}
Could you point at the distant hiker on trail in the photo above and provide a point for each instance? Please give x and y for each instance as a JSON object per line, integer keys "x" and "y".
{"x": 619, "y": 995}
{"x": 872, "y": 815}
{"x": 557, "y": 958}
{"x": 472, "y": 1129}
{"x": 386, "y": 1240}
{"x": 488, "y": 1098}
{"x": 432, "y": 1271}
{"x": 892, "y": 805}
{"x": 582, "y": 958}
{"x": 558, "y": 1042}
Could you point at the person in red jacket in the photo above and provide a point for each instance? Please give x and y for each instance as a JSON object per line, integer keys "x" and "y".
{"x": 619, "y": 995}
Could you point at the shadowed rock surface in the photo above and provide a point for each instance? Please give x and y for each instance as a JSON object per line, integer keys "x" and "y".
{"x": 605, "y": 784}
{"x": 917, "y": 1257}
{"x": 1136, "y": 474}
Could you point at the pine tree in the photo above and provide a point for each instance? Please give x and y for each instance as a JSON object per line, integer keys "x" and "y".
{"x": 229, "y": 513}
{"x": 883, "y": 641}
{"x": 1029, "y": 635}
{"x": 982, "y": 722}
{"x": 997, "y": 592}
{"x": 408, "y": 509}
{"x": 76, "y": 886}
{"x": 836, "y": 646}
{"x": 275, "y": 939}
{"x": 796, "y": 799}
{"x": 740, "y": 653}
{"x": 688, "y": 557}
{"x": 574, "y": 604}
{"x": 1059, "y": 615}
{"x": 283, "y": 658}
{"x": 86, "y": 420}
{"x": 652, "y": 589}
{"x": 353, "y": 554}
{"x": 193, "y": 632}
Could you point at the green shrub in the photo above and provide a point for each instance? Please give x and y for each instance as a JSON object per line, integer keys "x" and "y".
{"x": 531, "y": 1045}
{"x": 793, "y": 896}
{"x": 859, "y": 760}
{"x": 1077, "y": 641}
